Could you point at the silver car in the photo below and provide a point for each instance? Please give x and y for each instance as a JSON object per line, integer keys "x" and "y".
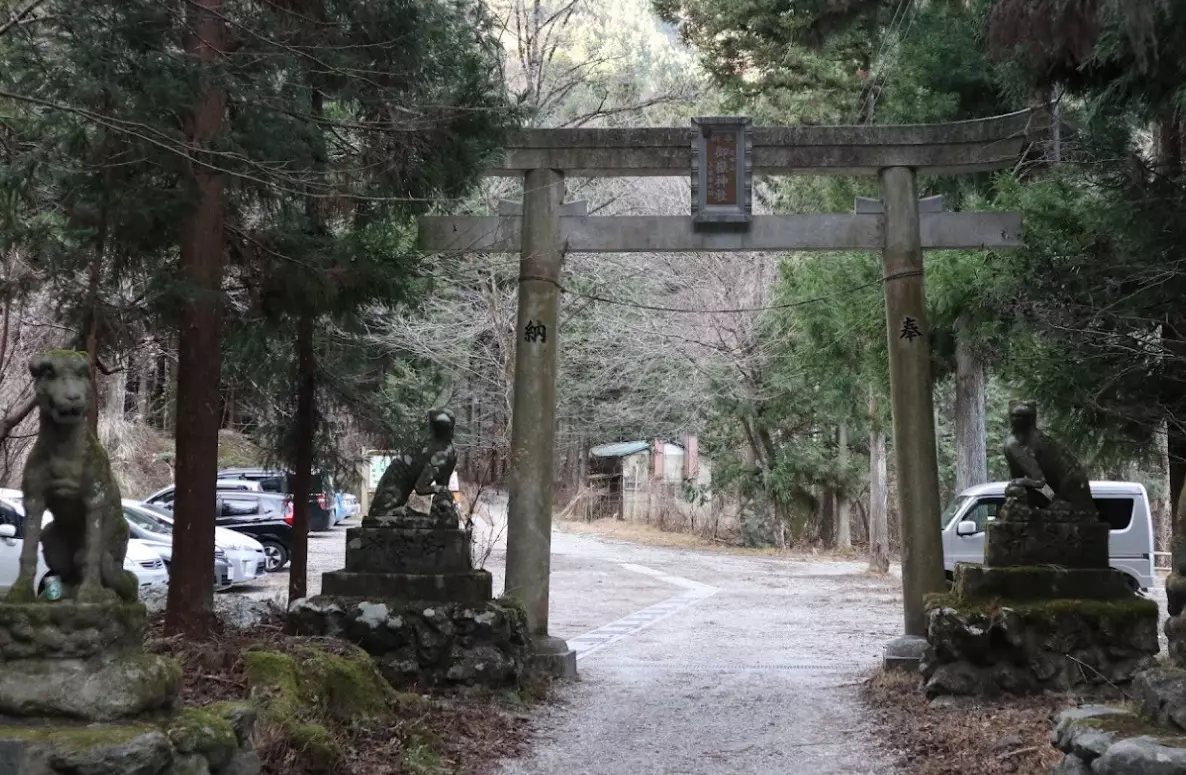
{"x": 238, "y": 558}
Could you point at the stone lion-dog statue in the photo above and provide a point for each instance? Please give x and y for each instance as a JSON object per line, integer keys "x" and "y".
{"x": 68, "y": 474}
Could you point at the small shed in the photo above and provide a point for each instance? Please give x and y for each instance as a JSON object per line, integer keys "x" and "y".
{"x": 642, "y": 479}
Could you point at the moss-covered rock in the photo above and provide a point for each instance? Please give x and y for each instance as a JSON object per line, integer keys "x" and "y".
{"x": 1116, "y": 741}
{"x": 201, "y": 732}
{"x": 193, "y": 741}
{"x": 123, "y": 686}
{"x": 305, "y": 693}
{"x": 108, "y": 749}
{"x": 240, "y": 714}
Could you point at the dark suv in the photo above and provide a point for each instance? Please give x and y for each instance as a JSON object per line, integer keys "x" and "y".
{"x": 266, "y": 517}
{"x": 321, "y": 500}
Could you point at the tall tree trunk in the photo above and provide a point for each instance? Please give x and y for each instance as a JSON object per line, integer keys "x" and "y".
{"x": 827, "y": 515}
{"x": 306, "y": 411}
{"x": 302, "y": 487}
{"x": 843, "y": 505}
{"x": 878, "y": 493}
{"x": 971, "y": 444}
{"x": 199, "y": 357}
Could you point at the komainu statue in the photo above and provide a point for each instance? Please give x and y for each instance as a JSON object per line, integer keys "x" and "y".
{"x": 68, "y": 474}
{"x": 426, "y": 473}
{"x": 1045, "y": 474}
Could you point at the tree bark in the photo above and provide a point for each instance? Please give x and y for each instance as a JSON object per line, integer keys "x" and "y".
{"x": 843, "y": 505}
{"x": 878, "y": 494}
{"x": 971, "y": 435}
{"x": 199, "y": 367}
{"x": 302, "y": 486}
{"x": 827, "y": 515}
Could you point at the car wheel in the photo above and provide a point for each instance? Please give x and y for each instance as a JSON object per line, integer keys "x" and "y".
{"x": 275, "y": 556}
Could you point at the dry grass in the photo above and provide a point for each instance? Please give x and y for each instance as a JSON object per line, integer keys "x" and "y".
{"x": 650, "y": 535}
{"x": 987, "y": 738}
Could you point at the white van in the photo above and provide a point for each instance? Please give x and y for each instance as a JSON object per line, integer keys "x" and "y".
{"x": 1123, "y": 505}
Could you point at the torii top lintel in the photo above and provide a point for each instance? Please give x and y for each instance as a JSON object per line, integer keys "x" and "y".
{"x": 951, "y": 148}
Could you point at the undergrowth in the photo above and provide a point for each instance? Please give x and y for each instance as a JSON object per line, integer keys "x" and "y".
{"x": 313, "y": 721}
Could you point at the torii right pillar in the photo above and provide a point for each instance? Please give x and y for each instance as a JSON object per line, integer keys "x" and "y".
{"x": 912, "y": 400}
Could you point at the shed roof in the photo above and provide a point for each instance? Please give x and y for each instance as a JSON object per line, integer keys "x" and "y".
{"x": 627, "y": 448}
{"x": 620, "y": 449}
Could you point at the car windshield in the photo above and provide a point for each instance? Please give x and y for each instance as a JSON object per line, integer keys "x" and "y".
{"x": 147, "y": 523}
{"x": 951, "y": 510}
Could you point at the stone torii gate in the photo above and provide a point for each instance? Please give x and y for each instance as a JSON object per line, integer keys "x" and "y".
{"x": 722, "y": 154}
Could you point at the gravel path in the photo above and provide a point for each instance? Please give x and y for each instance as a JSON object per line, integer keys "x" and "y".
{"x": 753, "y": 667}
{"x": 759, "y": 677}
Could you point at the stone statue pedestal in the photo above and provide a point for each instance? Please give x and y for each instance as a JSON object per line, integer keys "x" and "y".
{"x": 1067, "y": 544}
{"x": 409, "y": 556}
{"x": 81, "y": 661}
{"x": 1044, "y": 612}
{"x": 410, "y": 596}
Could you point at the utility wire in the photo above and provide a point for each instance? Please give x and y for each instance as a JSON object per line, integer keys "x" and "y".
{"x": 862, "y": 98}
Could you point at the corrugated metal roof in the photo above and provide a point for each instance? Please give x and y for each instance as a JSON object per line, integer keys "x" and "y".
{"x": 627, "y": 448}
{"x": 620, "y": 449}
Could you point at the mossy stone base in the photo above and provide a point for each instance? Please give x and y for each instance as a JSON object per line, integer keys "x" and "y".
{"x": 990, "y": 647}
{"x": 1069, "y": 544}
{"x": 415, "y": 643}
{"x": 67, "y": 629}
{"x": 195, "y": 740}
{"x": 1027, "y": 583}
{"x": 100, "y": 689}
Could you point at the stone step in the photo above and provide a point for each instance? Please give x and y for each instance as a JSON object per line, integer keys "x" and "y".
{"x": 398, "y": 550}
{"x": 473, "y": 586}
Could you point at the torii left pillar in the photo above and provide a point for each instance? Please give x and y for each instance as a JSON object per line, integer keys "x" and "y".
{"x": 533, "y": 418}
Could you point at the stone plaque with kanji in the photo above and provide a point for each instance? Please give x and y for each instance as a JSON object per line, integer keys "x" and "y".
{"x": 721, "y": 172}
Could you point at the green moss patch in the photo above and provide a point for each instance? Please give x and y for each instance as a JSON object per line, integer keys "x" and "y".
{"x": 1118, "y": 611}
{"x": 78, "y": 737}
{"x": 311, "y": 693}
{"x": 323, "y": 707}
{"x": 205, "y": 733}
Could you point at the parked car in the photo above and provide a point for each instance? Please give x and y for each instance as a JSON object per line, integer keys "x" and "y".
{"x": 339, "y": 509}
{"x": 1123, "y": 505}
{"x": 321, "y": 500}
{"x": 140, "y": 558}
{"x": 164, "y": 496}
{"x": 350, "y": 505}
{"x": 241, "y": 557}
{"x": 266, "y": 517}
